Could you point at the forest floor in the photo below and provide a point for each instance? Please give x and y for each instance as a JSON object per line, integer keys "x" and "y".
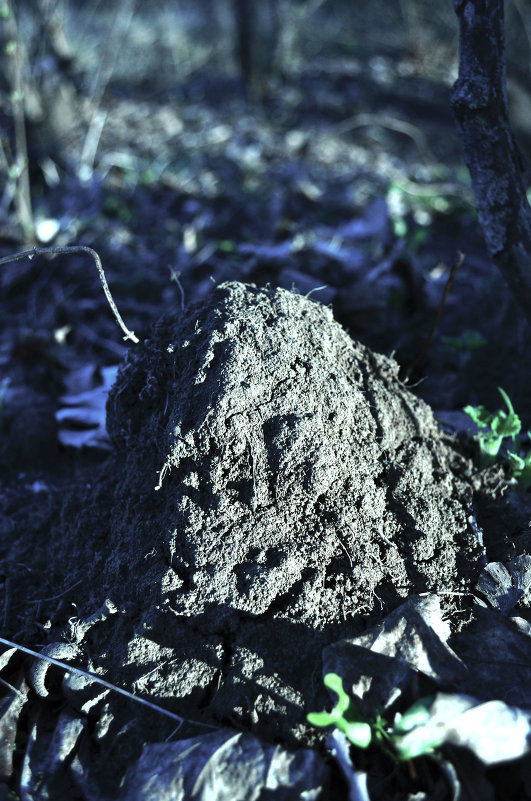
{"x": 322, "y": 188}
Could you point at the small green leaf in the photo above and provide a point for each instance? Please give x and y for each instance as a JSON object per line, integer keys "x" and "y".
{"x": 494, "y": 428}
{"x": 521, "y": 468}
{"x": 490, "y": 444}
{"x": 321, "y": 719}
{"x": 335, "y": 683}
{"x": 507, "y": 401}
{"x": 424, "y": 743}
{"x": 506, "y": 425}
{"x": 400, "y": 228}
{"x": 467, "y": 341}
{"x": 416, "y": 715}
{"x": 358, "y": 733}
{"x": 516, "y": 462}
{"x": 356, "y": 729}
{"x": 480, "y": 416}
{"x": 511, "y": 422}
{"x": 227, "y": 246}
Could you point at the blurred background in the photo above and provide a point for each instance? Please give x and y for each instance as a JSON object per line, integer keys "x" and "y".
{"x": 330, "y": 58}
{"x": 309, "y": 145}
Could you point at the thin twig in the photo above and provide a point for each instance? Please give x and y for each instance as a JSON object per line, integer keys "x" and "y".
{"x": 78, "y": 249}
{"x": 13, "y": 689}
{"x": 99, "y": 680}
{"x": 175, "y": 276}
{"x": 59, "y": 595}
{"x": 392, "y": 124}
{"x": 125, "y": 12}
{"x": 92, "y": 677}
{"x": 458, "y": 262}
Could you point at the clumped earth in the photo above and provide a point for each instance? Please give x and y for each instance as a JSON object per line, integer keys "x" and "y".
{"x": 276, "y": 487}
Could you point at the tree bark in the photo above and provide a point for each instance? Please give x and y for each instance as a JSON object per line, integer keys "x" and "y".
{"x": 257, "y": 28}
{"x": 244, "y": 32}
{"x": 496, "y": 165}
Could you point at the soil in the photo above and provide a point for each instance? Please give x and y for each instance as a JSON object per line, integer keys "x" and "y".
{"x": 278, "y": 489}
{"x": 264, "y": 483}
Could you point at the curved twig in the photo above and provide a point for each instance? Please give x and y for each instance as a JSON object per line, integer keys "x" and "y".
{"x": 79, "y": 249}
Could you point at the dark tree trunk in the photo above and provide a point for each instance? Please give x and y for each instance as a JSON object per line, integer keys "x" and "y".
{"x": 244, "y": 33}
{"x": 257, "y": 33}
{"x": 496, "y": 165}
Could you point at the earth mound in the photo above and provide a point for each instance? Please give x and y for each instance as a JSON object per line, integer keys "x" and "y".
{"x": 278, "y": 488}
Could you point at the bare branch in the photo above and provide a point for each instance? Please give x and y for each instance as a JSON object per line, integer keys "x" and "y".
{"x": 78, "y": 249}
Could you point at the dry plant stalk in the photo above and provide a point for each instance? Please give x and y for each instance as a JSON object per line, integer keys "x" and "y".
{"x": 15, "y": 54}
{"x": 422, "y": 355}
{"x": 93, "y": 677}
{"x": 79, "y": 249}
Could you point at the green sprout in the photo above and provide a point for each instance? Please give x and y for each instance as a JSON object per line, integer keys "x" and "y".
{"x": 354, "y": 726}
{"x": 469, "y": 340}
{"x": 227, "y": 246}
{"x": 521, "y": 467}
{"x": 494, "y": 428}
{"x": 361, "y": 732}
{"x": 432, "y": 722}
{"x": 426, "y": 741}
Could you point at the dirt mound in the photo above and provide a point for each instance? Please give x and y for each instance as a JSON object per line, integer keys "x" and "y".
{"x": 278, "y": 488}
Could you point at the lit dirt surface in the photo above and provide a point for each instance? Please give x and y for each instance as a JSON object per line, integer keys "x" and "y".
{"x": 275, "y": 487}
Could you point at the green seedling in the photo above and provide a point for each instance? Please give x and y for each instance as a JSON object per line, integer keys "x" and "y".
{"x": 494, "y": 428}
{"x": 415, "y": 718}
{"x": 469, "y": 340}
{"x": 345, "y": 716}
{"x": 361, "y": 732}
{"x": 521, "y": 467}
{"x": 227, "y": 246}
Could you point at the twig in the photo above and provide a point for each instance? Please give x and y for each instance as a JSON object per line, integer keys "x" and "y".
{"x": 122, "y": 20}
{"x": 59, "y": 595}
{"x": 458, "y": 262}
{"x": 492, "y": 155}
{"x": 175, "y": 276}
{"x": 97, "y": 679}
{"x": 13, "y": 689}
{"x": 79, "y": 249}
{"x": 392, "y": 124}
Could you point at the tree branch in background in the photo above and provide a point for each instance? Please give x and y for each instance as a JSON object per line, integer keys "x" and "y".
{"x": 496, "y": 165}
{"x": 16, "y": 68}
{"x": 54, "y": 26}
